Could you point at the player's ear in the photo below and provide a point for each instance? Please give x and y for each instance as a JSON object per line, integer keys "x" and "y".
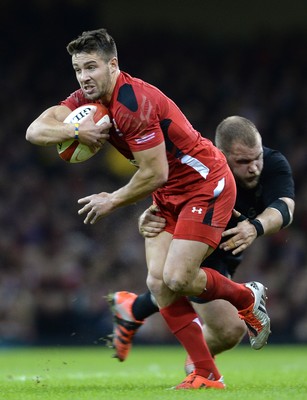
{"x": 113, "y": 64}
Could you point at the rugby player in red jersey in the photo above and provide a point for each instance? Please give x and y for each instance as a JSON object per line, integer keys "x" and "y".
{"x": 189, "y": 180}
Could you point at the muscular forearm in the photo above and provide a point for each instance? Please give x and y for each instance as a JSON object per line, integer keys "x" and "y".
{"x": 142, "y": 184}
{"x": 47, "y": 132}
{"x": 273, "y": 220}
{"x": 152, "y": 174}
{"x": 49, "y": 129}
{"x": 99, "y": 205}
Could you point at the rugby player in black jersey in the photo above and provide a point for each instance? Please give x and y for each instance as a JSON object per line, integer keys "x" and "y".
{"x": 264, "y": 205}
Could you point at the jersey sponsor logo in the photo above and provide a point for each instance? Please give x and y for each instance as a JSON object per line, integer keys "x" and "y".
{"x": 198, "y": 210}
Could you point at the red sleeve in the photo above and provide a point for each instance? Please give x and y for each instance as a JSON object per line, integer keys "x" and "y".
{"x": 141, "y": 128}
{"x": 74, "y": 100}
{"x": 140, "y": 135}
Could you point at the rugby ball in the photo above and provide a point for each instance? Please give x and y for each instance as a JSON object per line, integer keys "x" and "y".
{"x": 72, "y": 150}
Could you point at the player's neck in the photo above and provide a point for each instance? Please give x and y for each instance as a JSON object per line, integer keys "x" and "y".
{"x": 107, "y": 98}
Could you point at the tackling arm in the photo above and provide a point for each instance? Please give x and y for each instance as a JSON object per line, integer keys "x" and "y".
{"x": 149, "y": 224}
{"x": 276, "y": 216}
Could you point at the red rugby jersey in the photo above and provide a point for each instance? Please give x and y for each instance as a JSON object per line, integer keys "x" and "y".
{"x": 143, "y": 117}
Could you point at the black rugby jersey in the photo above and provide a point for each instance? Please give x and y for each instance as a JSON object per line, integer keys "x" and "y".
{"x": 275, "y": 181}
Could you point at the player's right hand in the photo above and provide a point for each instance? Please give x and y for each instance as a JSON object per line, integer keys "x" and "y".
{"x": 91, "y": 134}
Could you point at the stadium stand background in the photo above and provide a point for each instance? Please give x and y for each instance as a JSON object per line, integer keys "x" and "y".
{"x": 214, "y": 60}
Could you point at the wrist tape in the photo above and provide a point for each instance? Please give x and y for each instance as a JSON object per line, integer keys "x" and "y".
{"x": 258, "y": 226}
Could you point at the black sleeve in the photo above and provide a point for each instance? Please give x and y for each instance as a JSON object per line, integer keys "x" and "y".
{"x": 277, "y": 179}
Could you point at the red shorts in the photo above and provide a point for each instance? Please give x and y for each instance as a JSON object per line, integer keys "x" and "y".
{"x": 200, "y": 215}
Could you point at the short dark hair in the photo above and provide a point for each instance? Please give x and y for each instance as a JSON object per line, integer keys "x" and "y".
{"x": 236, "y": 129}
{"x": 96, "y": 41}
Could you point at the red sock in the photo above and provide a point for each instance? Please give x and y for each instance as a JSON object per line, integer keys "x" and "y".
{"x": 185, "y": 325}
{"x": 220, "y": 287}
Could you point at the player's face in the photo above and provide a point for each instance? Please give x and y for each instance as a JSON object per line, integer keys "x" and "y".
{"x": 96, "y": 77}
{"x": 246, "y": 164}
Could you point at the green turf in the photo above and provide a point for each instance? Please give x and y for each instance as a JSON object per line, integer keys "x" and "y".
{"x": 275, "y": 372}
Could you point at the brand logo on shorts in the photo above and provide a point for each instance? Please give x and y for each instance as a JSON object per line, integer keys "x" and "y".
{"x": 198, "y": 210}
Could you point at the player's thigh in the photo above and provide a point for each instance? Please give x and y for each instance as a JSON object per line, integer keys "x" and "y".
{"x": 183, "y": 259}
{"x": 156, "y": 249}
{"x": 218, "y": 315}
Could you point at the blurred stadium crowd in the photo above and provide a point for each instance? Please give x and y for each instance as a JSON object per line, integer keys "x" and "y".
{"x": 54, "y": 271}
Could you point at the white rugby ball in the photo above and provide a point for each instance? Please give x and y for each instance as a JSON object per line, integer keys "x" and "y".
{"x": 72, "y": 150}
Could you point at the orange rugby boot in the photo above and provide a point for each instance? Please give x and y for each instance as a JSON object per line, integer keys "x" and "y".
{"x": 193, "y": 381}
{"x": 125, "y": 325}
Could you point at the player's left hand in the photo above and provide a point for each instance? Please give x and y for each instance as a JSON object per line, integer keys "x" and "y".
{"x": 150, "y": 225}
{"x": 96, "y": 206}
{"x": 242, "y": 236}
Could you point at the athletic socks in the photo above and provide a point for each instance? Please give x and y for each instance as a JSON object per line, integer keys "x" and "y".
{"x": 185, "y": 325}
{"x": 220, "y": 287}
{"x": 144, "y": 306}
{"x": 217, "y": 287}
{"x": 184, "y": 322}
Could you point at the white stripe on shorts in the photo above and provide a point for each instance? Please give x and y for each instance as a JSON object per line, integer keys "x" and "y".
{"x": 195, "y": 164}
{"x": 203, "y": 171}
{"x": 220, "y": 186}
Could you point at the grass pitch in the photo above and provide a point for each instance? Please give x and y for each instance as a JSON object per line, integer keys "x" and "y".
{"x": 275, "y": 372}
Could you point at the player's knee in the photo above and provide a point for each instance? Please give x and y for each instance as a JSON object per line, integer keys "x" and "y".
{"x": 154, "y": 284}
{"x": 176, "y": 282}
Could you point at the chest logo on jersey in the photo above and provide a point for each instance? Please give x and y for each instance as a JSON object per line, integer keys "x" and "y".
{"x": 197, "y": 210}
